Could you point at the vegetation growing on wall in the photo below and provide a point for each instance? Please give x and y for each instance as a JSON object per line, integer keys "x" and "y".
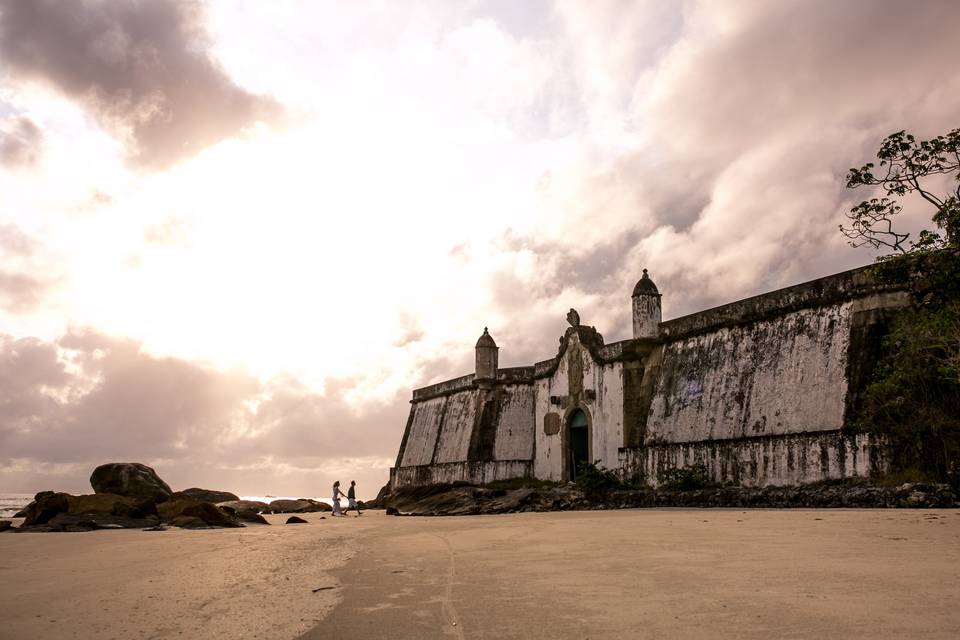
{"x": 595, "y": 480}
{"x": 914, "y": 396}
{"x": 686, "y": 478}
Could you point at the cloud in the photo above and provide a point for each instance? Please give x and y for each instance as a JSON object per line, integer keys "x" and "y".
{"x": 20, "y": 291}
{"x": 14, "y": 242}
{"x": 88, "y": 398}
{"x": 21, "y": 142}
{"x": 739, "y": 121}
{"x": 141, "y": 68}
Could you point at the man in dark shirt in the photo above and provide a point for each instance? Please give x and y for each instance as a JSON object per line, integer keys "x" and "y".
{"x": 352, "y": 498}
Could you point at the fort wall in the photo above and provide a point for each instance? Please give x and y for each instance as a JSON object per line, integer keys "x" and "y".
{"x": 756, "y": 391}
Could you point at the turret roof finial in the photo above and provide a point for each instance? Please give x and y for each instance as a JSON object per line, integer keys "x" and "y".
{"x": 645, "y": 286}
{"x": 486, "y": 340}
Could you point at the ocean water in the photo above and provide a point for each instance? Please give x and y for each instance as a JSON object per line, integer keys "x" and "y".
{"x": 10, "y": 503}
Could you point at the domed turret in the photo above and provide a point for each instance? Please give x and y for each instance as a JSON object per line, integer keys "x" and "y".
{"x": 646, "y": 308}
{"x": 486, "y": 357}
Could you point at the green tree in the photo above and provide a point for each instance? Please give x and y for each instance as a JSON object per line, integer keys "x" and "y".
{"x": 913, "y": 398}
{"x": 907, "y": 166}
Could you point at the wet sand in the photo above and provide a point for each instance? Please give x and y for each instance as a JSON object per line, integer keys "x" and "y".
{"x": 656, "y": 574}
{"x": 616, "y": 574}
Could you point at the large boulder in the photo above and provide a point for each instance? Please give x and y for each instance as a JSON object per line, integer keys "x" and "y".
{"x": 6, "y": 525}
{"x": 45, "y": 506}
{"x": 130, "y": 479}
{"x": 64, "y": 512}
{"x": 179, "y": 507}
{"x": 209, "y": 495}
{"x": 70, "y": 522}
{"x": 302, "y": 505}
{"x": 111, "y": 504}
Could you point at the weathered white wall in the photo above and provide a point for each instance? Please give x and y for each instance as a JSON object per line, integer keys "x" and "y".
{"x": 778, "y": 460}
{"x": 473, "y": 472}
{"x": 548, "y": 464}
{"x": 516, "y": 427}
{"x": 607, "y": 412}
{"x": 454, "y": 442}
{"x": 423, "y": 432}
{"x": 777, "y": 376}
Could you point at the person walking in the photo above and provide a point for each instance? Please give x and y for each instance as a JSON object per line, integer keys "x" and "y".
{"x": 336, "y": 499}
{"x": 352, "y": 498}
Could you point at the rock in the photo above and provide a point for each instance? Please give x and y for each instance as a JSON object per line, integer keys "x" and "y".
{"x": 89, "y": 522}
{"x": 130, "y": 479}
{"x": 246, "y": 515}
{"x": 302, "y": 505}
{"x": 111, "y": 504}
{"x": 246, "y": 505}
{"x": 296, "y": 520}
{"x": 380, "y": 501}
{"x": 189, "y": 522}
{"x": 159, "y": 527}
{"x": 180, "y": 505}
{"x": 103, "y": 510}
{"x": 68, "y": 522}
{"x": 45, "y": 506}
{"x": 209, "y": 495}
{"x": 23, "y": 512}
{"x": 5, "y": 525}
{"x": 392, "y": 511}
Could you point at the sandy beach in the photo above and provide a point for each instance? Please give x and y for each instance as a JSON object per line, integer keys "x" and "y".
{"x": 255, "y": 582}
{"x": 615, "y": 574}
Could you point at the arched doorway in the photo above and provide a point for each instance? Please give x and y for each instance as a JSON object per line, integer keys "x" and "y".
{"x": 578, "y": 437}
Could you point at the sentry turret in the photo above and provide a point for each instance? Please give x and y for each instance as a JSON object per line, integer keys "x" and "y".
{"x": 646, "y": 308}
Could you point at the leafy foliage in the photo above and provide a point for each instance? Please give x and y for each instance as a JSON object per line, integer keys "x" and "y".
{"x": 686, "y": 478}
{"x": 907, "y": 166}
{"x": 914, "y": 396}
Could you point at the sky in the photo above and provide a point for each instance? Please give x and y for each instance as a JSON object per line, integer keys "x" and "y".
{"x": 235, "y": 234}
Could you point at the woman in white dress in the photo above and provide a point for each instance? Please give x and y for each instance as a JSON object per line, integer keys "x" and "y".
{"x": 336, "y": 499}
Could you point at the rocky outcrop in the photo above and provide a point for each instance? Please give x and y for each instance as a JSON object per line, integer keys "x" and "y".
{"x": 247, "y": 505}
{"x": 238, "y": 510}
{"x": 63, "y": 512}
{"x": 111, "y": 504}
{"x": 460, "y": 499}
{"x": 45, "y": 506}
{"x": 296, "y": 520}
{"x": 380, "y": 501}
{"x": 247, "y": 510}
{"x": 209, "y": 495}
{"x": 130, "y": 479}
{"x": 182, "y": 510}
{"x": 302, "y": 505}
{"x": 5, "y": 525}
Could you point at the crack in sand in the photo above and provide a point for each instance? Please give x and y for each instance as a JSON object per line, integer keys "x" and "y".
{"x": 447, "y": 608}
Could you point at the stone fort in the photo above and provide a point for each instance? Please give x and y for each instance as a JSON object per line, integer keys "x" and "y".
{"x": 756, "y": 391}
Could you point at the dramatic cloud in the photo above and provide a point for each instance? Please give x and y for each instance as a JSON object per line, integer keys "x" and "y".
{"x": 89, "y": 398}
{"x": 21, "y": 142}
{"x": 743, "y": 125}
{"x": 141, "y": 68}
